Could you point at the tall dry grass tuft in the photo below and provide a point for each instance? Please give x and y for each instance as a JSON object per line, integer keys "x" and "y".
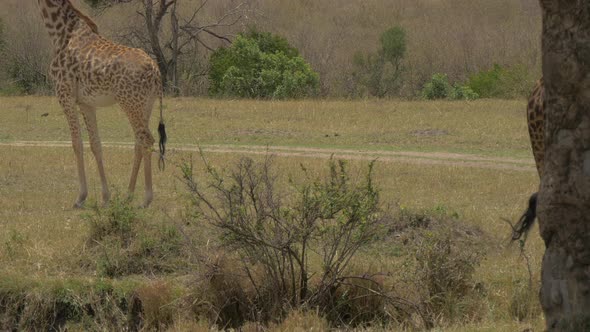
{"x": 157, "y": 306}
{"x": 445, "y": 273}
{"x": 441, "y": 255}
{"x": 222, "y": 295}
{"x": 122, "y": 240}
{"x": 58, "y": 304}
{"x": 524, "y": 301}
{"x": 298, "y": 320}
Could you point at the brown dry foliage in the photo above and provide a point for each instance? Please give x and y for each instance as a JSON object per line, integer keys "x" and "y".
{"x": 157, "y": 306}
{"x": 455, "y": 37}
{"x": 458, "y": 37}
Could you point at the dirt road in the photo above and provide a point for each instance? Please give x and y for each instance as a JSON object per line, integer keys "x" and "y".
{"x": 435, "y": 158}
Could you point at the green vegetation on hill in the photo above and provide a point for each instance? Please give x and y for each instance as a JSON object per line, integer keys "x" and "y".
{"x": 380, "y": 74}
{"x": 428, "y": 37}
{"x": 261, "y": 65}
{"x": 502, "y": 82}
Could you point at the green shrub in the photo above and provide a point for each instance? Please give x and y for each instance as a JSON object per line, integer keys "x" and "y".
{"x": 269, "y": 43}
{"x": 437, "y": 88}
{"x": 380, "y": 73}
{"x": 440, "y": 88}
{"x": 115, "y": 220}
{"x": 463, "y": 92}
{"x": 261, "y": 65}
{"x": 488, "y": 83}
{"x": 393, "y": 44}
{"x": 501, "y": 82}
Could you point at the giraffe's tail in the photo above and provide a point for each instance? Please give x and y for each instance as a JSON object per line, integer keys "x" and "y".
{"x": 527, "y": 220}
{"x": 162, "y": 134}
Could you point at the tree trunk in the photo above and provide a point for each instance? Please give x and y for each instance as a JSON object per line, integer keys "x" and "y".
{"x": 153, "y": 22}
{"x": 564, "y": 197}
{"x": 174, "y": 27}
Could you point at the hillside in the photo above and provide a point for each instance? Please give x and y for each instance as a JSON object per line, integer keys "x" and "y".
{"x": 455, "y": 37}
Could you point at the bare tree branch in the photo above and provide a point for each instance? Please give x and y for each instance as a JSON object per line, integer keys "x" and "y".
{"x": 216, "y": 35}
{"x": 186, "y": 33}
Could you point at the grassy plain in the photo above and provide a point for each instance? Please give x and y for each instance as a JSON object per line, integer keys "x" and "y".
{"x": 43, "y": 237}
{"x": 484, "y": 127}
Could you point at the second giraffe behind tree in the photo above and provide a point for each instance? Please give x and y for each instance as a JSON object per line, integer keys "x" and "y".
{"x": 90, "y": 71}
{"x": 536, "y": 124}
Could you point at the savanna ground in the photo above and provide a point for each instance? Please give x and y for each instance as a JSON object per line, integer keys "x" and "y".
{"x": 469, "y": 160}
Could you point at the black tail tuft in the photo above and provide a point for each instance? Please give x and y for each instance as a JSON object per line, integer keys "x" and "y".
{"x": 527, "y": 220}
{"x": 163, "y": 138}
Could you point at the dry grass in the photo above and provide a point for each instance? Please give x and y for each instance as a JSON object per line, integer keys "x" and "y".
{"x": 466, "y": 127}
{"x": 43, "y": 235}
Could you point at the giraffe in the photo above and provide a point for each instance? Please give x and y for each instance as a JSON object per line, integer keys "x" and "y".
{"x": 536, "y": 124}
{"x": 90, "y": 71}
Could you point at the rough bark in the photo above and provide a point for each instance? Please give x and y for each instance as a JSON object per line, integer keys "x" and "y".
{"x": 153, "y": 22}
{"x": 564, "y": 197}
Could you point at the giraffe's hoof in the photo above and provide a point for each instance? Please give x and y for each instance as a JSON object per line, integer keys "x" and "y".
{"x": 148, "y": 199}
{"x": 81, "y": 199}
{"x": 106, "y": 198}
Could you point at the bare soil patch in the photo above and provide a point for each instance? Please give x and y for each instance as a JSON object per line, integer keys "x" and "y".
{"x": 440, "y": 158}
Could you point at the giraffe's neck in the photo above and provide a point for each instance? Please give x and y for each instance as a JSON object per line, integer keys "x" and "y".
{"x": 61, "y": 18}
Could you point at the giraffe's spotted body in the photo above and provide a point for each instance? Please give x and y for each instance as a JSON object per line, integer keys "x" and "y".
{"x": 90, "y": 71}
{"x": 536, "y": 123}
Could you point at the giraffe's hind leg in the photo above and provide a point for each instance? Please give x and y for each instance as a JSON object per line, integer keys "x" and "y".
{"x": 89, "y": 114}
{"x": 144, "y": 141}
{"x": 147, "y": 170}
{"x": 138, "y": 155}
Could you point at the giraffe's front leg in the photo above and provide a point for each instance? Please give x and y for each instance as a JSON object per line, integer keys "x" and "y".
{"x": 64, "y": 93}
{"x": 89, "y": 114}
{"x": 74, "y": 125}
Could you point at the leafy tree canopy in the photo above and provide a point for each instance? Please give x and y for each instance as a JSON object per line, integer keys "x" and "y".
{"x": 261, "y": 65}
{"x": 380, "y": 73}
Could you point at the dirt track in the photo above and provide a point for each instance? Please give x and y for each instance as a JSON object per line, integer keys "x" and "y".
{"x": 435, "y": 158}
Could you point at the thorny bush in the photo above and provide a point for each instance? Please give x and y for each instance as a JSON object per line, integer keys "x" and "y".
{"x": 277, "y": 232}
